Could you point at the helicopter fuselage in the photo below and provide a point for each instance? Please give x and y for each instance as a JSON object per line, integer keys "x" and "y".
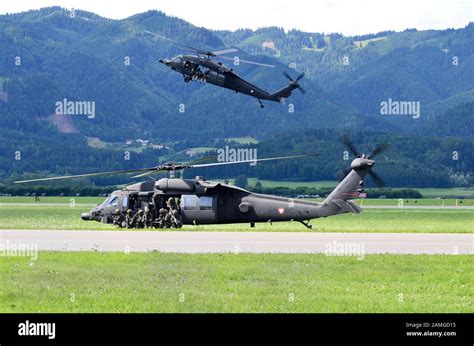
{"x": 206, "y": 70}
{"x": 201, "y": 202}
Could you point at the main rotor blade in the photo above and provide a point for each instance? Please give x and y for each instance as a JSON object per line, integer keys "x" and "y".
{"x": 300, "y": 76}
{"x": 251, "y": 161}
{"x": 196, "y": 50}
{"x": 346, "y": 140}
{"x": 377, "y": 179}
{"x": 85, "y": 175}
{"x": 302, "y": 90}
{"x": 378, "y": 149}
{"x": 246, "y": 61}
{"x": 146, "y": 173}
{"x": 225, "y": 51}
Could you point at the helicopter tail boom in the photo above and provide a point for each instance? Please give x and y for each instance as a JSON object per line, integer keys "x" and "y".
{"x": 339, "y": 200}
{"x": 283, "y": 93}
{"x": 352, "y": 186}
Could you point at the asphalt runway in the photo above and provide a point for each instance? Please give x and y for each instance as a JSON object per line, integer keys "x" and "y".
{"x": 352, "y": 244}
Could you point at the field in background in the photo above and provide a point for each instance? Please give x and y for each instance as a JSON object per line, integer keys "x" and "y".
{"x": 243, "y": 140}
{"x": 154, "y": 282}
{"x": 454, "y": 192}
{"x": 451, "y": 192}
{"x": 370, "y": 220}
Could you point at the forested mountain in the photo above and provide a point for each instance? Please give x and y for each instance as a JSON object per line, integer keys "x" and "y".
{"x": 433, "y": 67}
{"x": 50, "y": 55}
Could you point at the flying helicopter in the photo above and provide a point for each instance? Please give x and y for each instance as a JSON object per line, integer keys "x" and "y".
{"x": 200, "y": 202}
{"x": 200, "y": 67}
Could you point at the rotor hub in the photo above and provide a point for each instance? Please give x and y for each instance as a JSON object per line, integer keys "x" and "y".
{"x": 362, "y": 163}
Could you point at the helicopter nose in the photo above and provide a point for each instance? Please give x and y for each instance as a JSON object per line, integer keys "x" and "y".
{"x": 165, "y": 61}
{"x": 86, "y": 216}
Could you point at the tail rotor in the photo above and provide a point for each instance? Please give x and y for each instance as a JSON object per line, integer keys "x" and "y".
{"x": 294, "y": 82}
{"x": 367, "y": 159}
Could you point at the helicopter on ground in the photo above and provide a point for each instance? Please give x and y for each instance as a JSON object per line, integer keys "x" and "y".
{"x": 200, "y": 67}
{"x": 200, "y": 202}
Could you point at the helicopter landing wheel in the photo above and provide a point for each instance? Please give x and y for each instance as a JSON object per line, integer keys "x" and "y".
{"x": 261, "y": 103}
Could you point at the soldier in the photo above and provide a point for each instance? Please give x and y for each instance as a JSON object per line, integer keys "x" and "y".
{"x": 175, "y": 219}
{"x": 171, "y": 203}
{"x": 138, "y": 218}
{"x": 118, "y": 218}
{"x": 162, "y": 218}
{"x": 158, "y": 203}
{"x": 147, "y": 218}
{"x": 129, "y": 219}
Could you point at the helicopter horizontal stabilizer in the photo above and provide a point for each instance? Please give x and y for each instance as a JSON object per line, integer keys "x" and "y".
{"x": 347, "y": 206}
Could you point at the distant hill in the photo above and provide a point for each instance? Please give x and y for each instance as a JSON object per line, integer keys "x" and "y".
{"x": 47, "y": 56}
{"x": 434, "y": 67}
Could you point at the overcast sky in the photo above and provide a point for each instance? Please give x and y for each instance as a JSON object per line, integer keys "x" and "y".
{"x": 350, "y": 17}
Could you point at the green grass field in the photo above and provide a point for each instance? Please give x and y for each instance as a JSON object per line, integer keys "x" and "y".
{"x": 51, "y": 199}
{"x": 416, "y": 202}
{"x": 451, "y": 192}
{"x": 243, "y": 140}
{"x": 158, "y": 282}
{"x": 370, "y": 220}
{"x": 154, "y": 282}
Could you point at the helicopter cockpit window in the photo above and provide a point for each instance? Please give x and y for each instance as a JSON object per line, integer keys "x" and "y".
{"x": 189, "y": 202}
{"x": 107, "y": 200}
{"x": 205, "y": 202}
{"x": 177, "y": 60}
{"x": 113, "y": 202}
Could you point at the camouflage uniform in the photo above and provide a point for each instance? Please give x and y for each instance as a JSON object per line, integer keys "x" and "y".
{"x": 118, "y": 218}
{"x": 158, "y": 203}
{"x": 129, "y": 219}
{"x": 173, "y": 217}
{"x": 162, "y": 223}
{"x": 147, "y": 218}
{"x": 139, "y": 219}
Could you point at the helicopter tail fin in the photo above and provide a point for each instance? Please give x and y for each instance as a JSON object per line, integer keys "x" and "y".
{"x": 351, "y": 187}
{"x": 284, "y": 93}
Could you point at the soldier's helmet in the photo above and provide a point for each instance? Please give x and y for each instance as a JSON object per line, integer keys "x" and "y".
{"x": 129, "y": 211}
{"x": 117, "y": 211}
{"x": 147, "y": 210}
{"x": 140, "y": 212}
